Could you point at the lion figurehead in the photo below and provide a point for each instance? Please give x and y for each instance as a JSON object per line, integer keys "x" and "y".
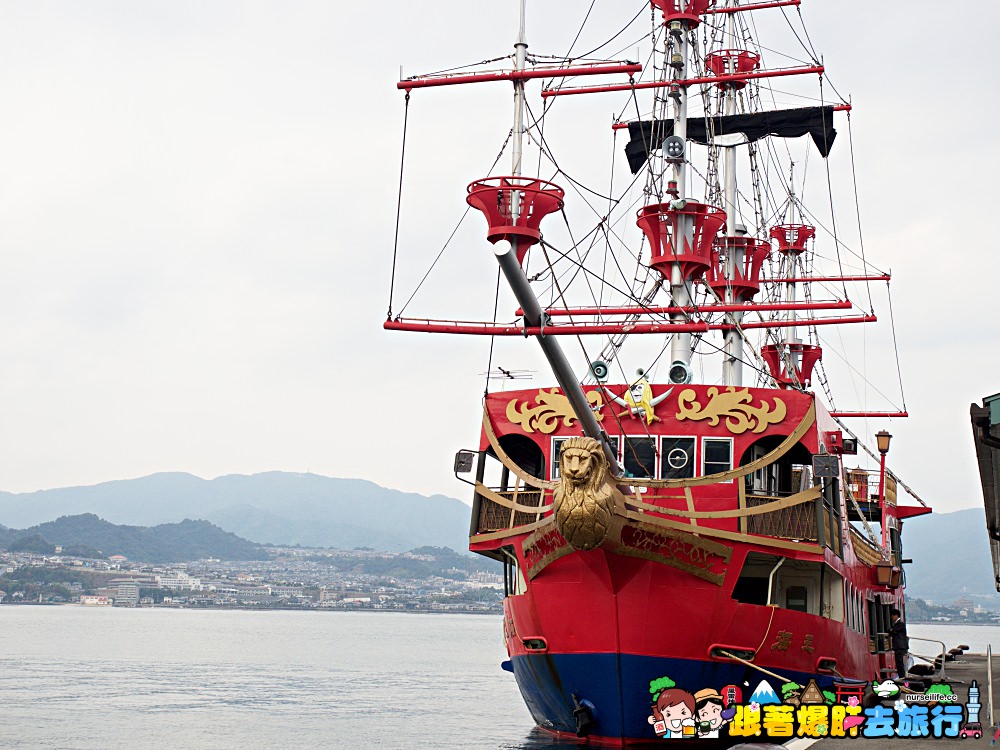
{"x": 582, "y": 463}
{"x": 583, "y": 501}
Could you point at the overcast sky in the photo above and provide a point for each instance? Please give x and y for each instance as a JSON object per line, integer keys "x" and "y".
{"x": 197, "y": 202}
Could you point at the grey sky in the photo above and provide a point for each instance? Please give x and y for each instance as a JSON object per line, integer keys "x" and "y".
{"x": 196, "y": 218}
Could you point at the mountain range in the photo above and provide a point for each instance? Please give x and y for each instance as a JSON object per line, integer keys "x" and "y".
{"x": 951, "y": 558}
{"x": 89, "y": 536}
{"x": 268, "y": 508}
{"x": 950, "y": 551}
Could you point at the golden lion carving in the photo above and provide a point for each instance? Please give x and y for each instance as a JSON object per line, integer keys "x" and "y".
{"x": 584, "y": 502}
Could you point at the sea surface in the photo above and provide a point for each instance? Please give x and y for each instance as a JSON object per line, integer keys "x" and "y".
{"x": 88, "y": 677}
{"x": 99, "y": 678}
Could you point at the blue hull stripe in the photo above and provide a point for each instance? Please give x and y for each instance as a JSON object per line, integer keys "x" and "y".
{"x": 621, "y": 695}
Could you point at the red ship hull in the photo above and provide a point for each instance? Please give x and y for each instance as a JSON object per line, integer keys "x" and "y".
{"x": 612, "y": 624}
{"x": 712, "y": 600}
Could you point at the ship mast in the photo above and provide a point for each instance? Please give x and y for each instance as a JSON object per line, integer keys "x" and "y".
{"x": 517, "y": 145}
{"x": 680, "y": 293}
{"x": 507, "y": 255}
{"x": 732, "y": 364}
{"x": 791, "y": 288}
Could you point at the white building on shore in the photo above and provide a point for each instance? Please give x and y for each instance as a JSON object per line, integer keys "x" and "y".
{"x": 178, "y": 580}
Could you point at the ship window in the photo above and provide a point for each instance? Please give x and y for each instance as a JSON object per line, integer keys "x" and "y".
{"x": 755, "y": 579}
{"x": 852, "y": 608}
{"x": 513, "y": 579}
{"x": 849, "y": 604}
{"x": 678, "y": 458}
{"x": 896, "y": 546}
{"x": 640, "y": 457}
{"x": 831, "y": 532}
{"x": 831, "y": 594}
{"x": 557, "y": 444}
{"x": 797, "y": 598}
{"x": 750, "y": 590}
{"x": 521, "y": 450}
{"x": 718, "y": 455}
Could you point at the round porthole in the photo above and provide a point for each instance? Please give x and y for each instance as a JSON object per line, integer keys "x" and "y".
{"x": 678, "y": 458}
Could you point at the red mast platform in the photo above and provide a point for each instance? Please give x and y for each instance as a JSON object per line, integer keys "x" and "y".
{"x": 806, "y": 356}
{"x": 732, "y": 62}
{"x": 683, "y": 10}
{"x": 792, "y": 238}
{"x": 659, "y": 222}
{"x": 746, "y": 282}
{"x": 792, "y": 362}
{"x": 533, "y": 199}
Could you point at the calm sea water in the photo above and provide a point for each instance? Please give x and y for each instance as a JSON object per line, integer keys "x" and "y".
{"x": 80, "y": 678}
{"x": 75, "y": 677}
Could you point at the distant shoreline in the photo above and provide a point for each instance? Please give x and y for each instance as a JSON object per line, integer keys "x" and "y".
{"x": 256, "y": 609}
{"x": 223, "y": 608}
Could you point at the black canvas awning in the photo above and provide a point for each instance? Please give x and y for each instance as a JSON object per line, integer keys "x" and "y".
{"x": 817, "y": 122}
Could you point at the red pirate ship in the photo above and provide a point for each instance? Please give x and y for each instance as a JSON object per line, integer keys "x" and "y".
{"x": 688, "y": 522}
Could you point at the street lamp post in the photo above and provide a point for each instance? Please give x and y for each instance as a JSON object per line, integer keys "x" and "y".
{"x": 882, "y": 439}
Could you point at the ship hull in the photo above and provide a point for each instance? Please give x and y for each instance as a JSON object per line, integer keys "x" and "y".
{"x": 617, "y": 685}
{"x": 748, "y": 571}
{"x": 595, "y": 629}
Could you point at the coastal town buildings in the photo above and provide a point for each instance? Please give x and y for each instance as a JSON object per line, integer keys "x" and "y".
{"x": 294, "y": 578}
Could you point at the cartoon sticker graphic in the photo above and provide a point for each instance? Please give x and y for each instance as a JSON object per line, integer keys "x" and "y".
{"x": 711, "y": 712}
{"x": 764, "y": 694}
{"x": 885, "y": 689}
{"x": 813, "y": 711}
{"x": 639, "y": 402}
{"x": 673, "y": 710}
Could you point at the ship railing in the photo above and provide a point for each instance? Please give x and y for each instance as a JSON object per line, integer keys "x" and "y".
{"x": 864, "y": 549}
{"x": 935, "y": 661}
{"x": 796, "y": 523}
{"x": 496, "y": 517}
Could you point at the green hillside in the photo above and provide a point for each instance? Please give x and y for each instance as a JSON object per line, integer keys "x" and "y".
{"x": 88, "y": 535}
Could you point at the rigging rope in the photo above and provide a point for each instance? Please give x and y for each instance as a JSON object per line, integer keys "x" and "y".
{"x": 579, "y": 339}
{"x": 872, "y": 455}
{"x": 810, "y": 50}
{"x": 624, "y": 29}
{"x": 465, "y": 67}
{"x": 399, "y": 205}
{"x": 829, "y": 187}
{"x": 489, "y": 363}
{"x": 453, "y": 231}
{"x": 895, "y": 345}
{"x": 611, "y": 208}
{"x": 583, "y": 24}
{"x": 857, "y": 205}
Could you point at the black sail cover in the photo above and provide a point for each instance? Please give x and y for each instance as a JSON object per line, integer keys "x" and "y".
{"x": 647, "y": 135}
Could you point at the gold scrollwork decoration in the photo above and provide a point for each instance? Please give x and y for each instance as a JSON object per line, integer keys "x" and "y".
{"x": 700, "y": 557}
{"x": 550, "y": 407}
{"x": 735, "y": 406}
{"x": 542, "y": 548}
